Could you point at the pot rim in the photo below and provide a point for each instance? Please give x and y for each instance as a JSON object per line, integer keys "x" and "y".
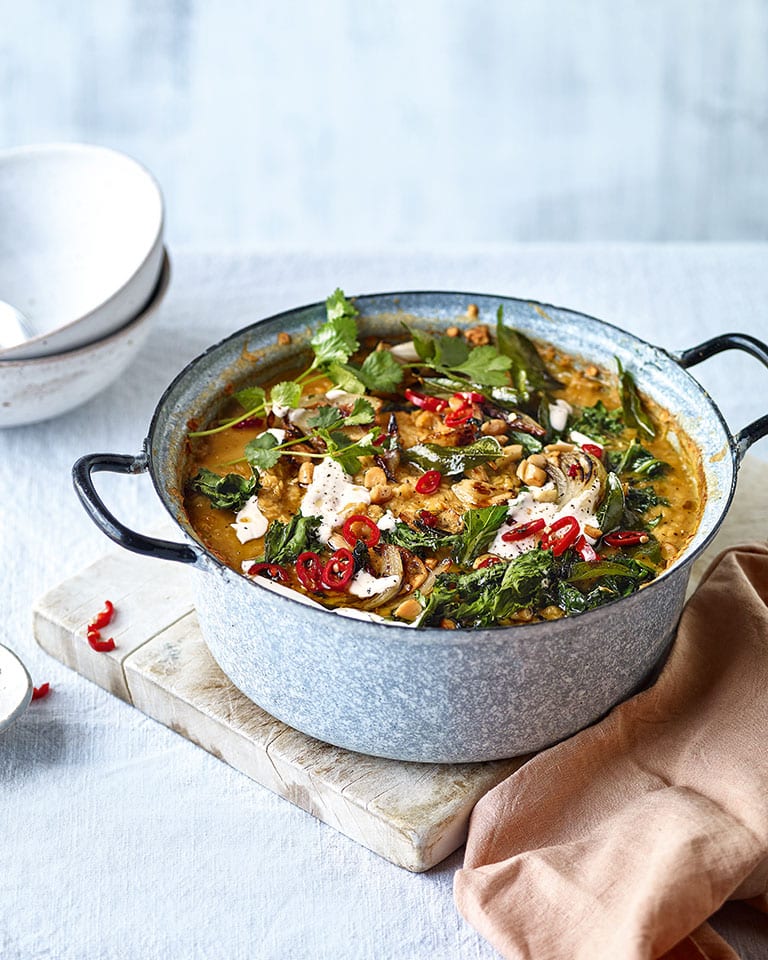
{"x": 460, "y": 634}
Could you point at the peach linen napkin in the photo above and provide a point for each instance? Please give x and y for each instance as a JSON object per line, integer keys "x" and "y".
{"x": 618, "y": 843}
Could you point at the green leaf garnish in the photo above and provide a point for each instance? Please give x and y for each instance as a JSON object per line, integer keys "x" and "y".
{"x": 480, "y": 528}
{"x": 251, "y": 398}
{"x": 325, "y": 418}
{"x": 336, "y": 340}
{"x": 229, "y": 492}
{"x": 362, "y": 413}
{"x": 420, "y": 541}
{"x": 635, "y": 414}
{"x": 451, "y": 461}
{"x": 283, "y": 542}
{"x": 529, "y": 372}
{"x": 286, "y": 394}
{"x": 381, "y": 372}
{"x": 345, "y": 377}
{"x": 611, "y": 512}
{"x": 485, "y": 365}
{"x": 599, "y": 423}
{"x": 337, "y": 306}
{"x": 263, "y": 451}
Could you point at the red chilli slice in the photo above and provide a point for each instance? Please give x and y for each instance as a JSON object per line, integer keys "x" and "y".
{"x": 560, "y": 535}
{"x": 358, "y": 520}
{"x": 425, "y": 402}
{"x": 339, "y": 570}
{"x": 522, "y": 530}
{"x": 625, "y": 538}
{"x": 273, "y": 571}
{"x": 309, "y": 570}
{"x": 39, "y": 693}
{"x": 470, "y": 396}
{"x": 593, "y": 449}
{"x": 99, "y": 645}
{"x": 488, "y": 562}
{"x": 585, "y": 550}
{"x": 98, "y": 623}
{"x": 429, "y": 482}
{"x": 427, "y": 518}
{"x": 104, "y": 618}
{"x": 457, "y": 417}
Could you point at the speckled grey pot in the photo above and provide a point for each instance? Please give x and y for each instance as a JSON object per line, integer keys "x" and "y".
{"x": 428, "y": 695}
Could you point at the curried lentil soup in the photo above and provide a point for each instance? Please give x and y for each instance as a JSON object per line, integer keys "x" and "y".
{"x": 460, "y": 479}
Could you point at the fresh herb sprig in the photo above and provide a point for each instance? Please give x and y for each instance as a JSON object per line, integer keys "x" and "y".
{"x": 460, "y": 365}
{"x": 230, "y": 492}
{"x": 333, "y": 344}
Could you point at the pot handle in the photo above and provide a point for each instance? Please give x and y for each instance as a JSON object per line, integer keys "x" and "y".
{"x": 754, "y": 431}
{"x": 94, "y": 506}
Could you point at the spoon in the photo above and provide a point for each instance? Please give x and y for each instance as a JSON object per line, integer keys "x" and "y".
{"x": 14, "y": 326}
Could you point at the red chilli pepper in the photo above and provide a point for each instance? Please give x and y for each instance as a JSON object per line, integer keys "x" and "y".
{"x": 488, "y": 562}
{"x": 456, "y": 417}
{"x": 339, "y": 570}
{"x": 573, "y": 470}
{"x": 593, "y": 449}
{"x": 470, "y": 396}
{"x": 309, "y": 570}
{"x": 625, "y": 538}
{"x": 348, "y": 530}
{"x": 427, "y": 518}
{"x": 560, "y": 535}
{"x": 423, "y": 400}
{"x": 105, "y": 617}
{"x": 585, "y": 550}
{"x": 429, "y": 481}
{"x": 521, "y": 530}
{"x": 99, "y": 645}
{"x": 38, "y": 693}
{"x": 273, "y": 571}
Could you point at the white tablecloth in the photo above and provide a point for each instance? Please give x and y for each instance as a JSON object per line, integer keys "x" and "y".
{"x": 118, "y": 838}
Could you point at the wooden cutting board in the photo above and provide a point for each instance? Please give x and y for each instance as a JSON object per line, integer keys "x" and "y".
{"x": 413, "y": 814}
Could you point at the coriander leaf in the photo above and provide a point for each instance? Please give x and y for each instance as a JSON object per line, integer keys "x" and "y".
{"x": 251, "y": 398}
{"x": 423, "y": 344}
{"x": 600, "y": 423}
{"x": 263, "y": 451}
{"x": 635, "y": 414}
{"x": 347, "y": 454}
{"x": 450, "y": 352}
{"x": 337, "y": 338}
{"x": 529, "y": 372}
{"x": 480, "y": 528}
{"x": 362, "y": 412}
{"x": 345, "y": 377}
{"x": 229, "y": 492}
{"x": 381, "y": 372}
{"x": 451, "y": 461}
{"x": 485, "y": 365}
{"x": 337, "y": 306}
{"x": 285, "y": 394}
{"x": 325, "y": 418}
{"x": 283, "y": 542}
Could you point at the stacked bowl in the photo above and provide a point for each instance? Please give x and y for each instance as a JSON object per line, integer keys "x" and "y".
{"x": 82, "y": 272}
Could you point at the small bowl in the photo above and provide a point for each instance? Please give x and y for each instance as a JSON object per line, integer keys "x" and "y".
{"x": 15, "y": 687}
{"x": 42, "y": 388}
{"x": 81, "y": 243}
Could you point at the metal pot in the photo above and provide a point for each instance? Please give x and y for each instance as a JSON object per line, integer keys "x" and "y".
{"x": 428, "y": 695}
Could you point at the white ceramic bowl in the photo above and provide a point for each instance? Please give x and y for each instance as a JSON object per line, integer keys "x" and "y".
{"x": 15, "y": 687}
{"x": 81, "y": 242}
{"x": 38, "y": 389}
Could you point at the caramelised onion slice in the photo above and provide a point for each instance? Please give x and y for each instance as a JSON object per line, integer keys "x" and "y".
{"x": 580, "y": 478}
{"x": 386, "y": 561}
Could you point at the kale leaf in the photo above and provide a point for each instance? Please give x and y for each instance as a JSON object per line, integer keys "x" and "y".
{"x": 600, "y": 423}
{"x": 635, "y": 414}
{"x": 451, "y": 461}
{"x": 229, "y": 492}
{"x": 283, "y": 542}
{"x": 480, "y": 528}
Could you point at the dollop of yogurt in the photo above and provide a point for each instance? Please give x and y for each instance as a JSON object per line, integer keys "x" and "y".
{"x": 559, "y": 411}
{"x": 365, "y": 585}
{"x": 329, "y": 494}
{"x": 250, "y": 523}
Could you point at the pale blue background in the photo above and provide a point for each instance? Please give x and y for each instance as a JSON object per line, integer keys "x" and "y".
{"x": 342, "y": 123}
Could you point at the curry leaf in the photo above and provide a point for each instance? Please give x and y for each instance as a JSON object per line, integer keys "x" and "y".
{"x": 529, "y": 372}
{"x": 451, "y": 461}
{"x": 635, "y": 414}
